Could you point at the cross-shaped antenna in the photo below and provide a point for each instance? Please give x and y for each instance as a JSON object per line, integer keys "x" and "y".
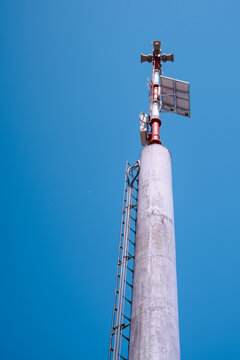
{"x": 166, "y": 95}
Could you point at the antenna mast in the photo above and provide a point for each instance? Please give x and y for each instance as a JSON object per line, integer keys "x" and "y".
{"x": 156, "y": 58}
{"x": 145, "y": 313}
{"x": 166, "y": 95}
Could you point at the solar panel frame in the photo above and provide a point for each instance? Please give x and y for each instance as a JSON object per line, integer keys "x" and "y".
{"x": 175, "y": 96}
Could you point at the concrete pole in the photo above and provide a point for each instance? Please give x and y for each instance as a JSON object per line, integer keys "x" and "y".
{"x": 154, "y": 321}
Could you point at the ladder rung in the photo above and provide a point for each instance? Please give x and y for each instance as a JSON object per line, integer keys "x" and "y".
{"x": 122, "y": 357}
{"x": 129, "y": 284}
{"x": 125, "y": 317}
{"x": 125, "y": 326}
{"x": 129, "y": 256}
{"x": 130, "y": 269}
{"x": 129, "y": 301}
{"x": 122, "y": 326}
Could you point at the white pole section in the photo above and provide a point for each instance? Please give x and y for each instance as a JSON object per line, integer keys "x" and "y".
{"x": 154, "y": 320}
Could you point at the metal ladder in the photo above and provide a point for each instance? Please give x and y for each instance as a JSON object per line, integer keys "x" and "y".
{"x": 121, "y": 320}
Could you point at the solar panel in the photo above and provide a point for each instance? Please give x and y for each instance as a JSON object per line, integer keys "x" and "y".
{"x": 175, "y": 96}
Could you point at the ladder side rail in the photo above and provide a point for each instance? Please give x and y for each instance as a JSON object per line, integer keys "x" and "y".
{"x": 128, "y": 225}
{"x": 132, "y": 222}
{"x": 122, "y": 280}
{"x": 125, "y": 263}
{"x": 135, "y": 182}
{"x": 133, "y": 177}
{"x": 118, "y": 263}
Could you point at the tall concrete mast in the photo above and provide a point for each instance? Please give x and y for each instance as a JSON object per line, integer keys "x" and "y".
{"x": 154, "y": 321}
{"x": 154, "y": 333}
{"x": 145, "y": 311}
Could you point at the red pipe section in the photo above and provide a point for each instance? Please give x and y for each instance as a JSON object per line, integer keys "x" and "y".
{"x": 155, "y": 138}
{"x": 155, "y": 123}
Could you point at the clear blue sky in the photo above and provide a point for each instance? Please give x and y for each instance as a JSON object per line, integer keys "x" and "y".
{"x": 72, "y": 87}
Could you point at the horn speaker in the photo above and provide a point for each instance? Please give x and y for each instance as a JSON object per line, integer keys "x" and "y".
{"x": 147, "y": 58}
{"x": 169, "y": 57}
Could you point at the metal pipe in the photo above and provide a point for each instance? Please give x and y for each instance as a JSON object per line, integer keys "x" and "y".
{"x": 155, "y": 138}
{"x": 155, "y": 100}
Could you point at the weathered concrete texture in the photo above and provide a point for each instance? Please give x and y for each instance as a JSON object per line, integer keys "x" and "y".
{"x": 154, "y": 325}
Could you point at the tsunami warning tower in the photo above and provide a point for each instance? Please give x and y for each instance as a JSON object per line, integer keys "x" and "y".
{"x": 145, "y": 315}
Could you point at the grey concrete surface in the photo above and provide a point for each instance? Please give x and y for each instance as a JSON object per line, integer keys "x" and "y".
{"x": 154, "y": 322}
